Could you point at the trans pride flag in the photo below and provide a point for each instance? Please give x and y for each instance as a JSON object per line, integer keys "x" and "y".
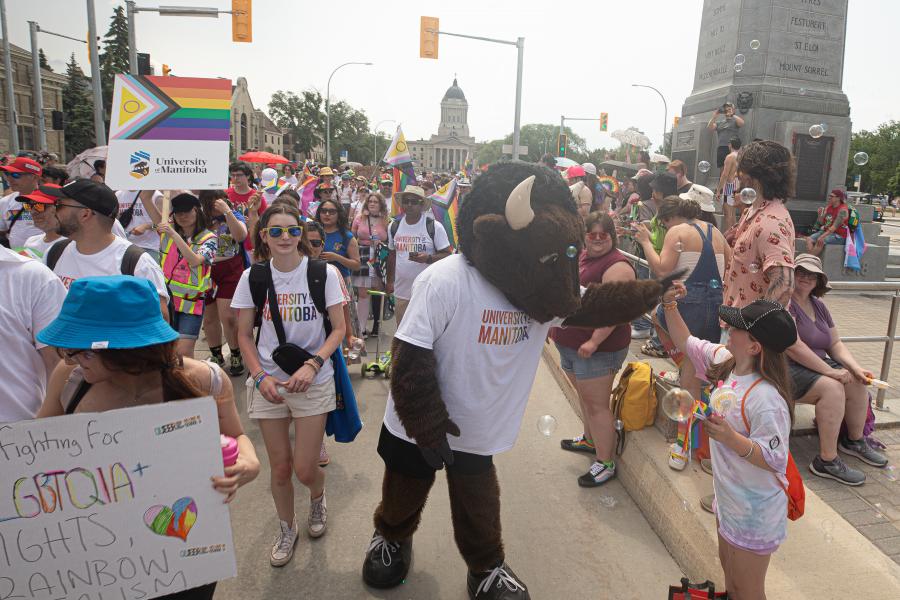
{"x": 445, "y": 206}
{"x": 399, "y": 158}
{"x": 854, "y": 248}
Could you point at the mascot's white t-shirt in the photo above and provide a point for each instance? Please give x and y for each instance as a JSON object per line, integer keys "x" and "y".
{"x": 413, "y": 238}
{"x": 487, "y": 354}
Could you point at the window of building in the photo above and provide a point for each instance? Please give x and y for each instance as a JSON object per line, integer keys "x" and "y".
{"x": 243, "y": 132}
{"x": 26, "y": 137}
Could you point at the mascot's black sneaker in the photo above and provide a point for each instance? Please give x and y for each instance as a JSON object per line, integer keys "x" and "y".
{"x": 499, "y": 584}
{"x": 387, "y": 563}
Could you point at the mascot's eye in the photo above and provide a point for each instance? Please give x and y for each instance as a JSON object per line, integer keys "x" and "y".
{"x": 549, "y": 259}
{"x": 571, "y": 251}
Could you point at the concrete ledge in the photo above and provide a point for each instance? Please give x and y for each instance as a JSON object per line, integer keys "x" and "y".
{"x": 805, "y": 567}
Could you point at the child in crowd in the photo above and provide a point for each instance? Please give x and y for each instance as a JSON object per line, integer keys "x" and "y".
{"x": 749, "y": 441}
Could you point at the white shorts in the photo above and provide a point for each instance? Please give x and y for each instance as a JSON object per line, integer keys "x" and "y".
{"x": 316, "y": 400}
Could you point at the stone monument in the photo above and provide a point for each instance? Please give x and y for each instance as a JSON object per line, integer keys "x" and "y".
{"x": 789, "y": 80}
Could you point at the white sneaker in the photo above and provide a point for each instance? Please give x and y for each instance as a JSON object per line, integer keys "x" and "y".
{"x": 283, "y": 548}
{"x": 318, "y": 517}
{"x": 677, "y": 457}
{"x": 640, "y": 334}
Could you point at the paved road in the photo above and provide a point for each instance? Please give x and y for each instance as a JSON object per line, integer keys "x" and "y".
{"x": 561, "y": 539}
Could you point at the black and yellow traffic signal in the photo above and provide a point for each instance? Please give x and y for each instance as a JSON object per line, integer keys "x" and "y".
{"x": 561, "y": 143}
{"x": 428, "y": 37}
{"x": 241, "y": 21}
{"x": 604, "y": 121}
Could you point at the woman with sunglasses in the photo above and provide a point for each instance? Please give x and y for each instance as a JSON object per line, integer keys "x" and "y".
{"x": 303, "y": 397}
{"x": 139, "y": 365}
{"x": 370, "y": 228}
{"x": 591, "y": 359}
{"x": 341, "y": 248}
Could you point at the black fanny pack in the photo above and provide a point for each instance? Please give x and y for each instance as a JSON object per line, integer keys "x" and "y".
{"x": 290, "y": 357}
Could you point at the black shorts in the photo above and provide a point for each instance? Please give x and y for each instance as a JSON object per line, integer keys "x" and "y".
{"x": 406, "y": 458}
{"x": 721, "y": 153}
{"x": 803, "y": 378}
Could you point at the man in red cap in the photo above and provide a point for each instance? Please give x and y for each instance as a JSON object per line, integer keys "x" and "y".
{"x": 832, "y": 223}
{"x": 16, "y": 223}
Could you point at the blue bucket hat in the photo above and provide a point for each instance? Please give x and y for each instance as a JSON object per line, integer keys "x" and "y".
{"x": 118, "y": 311}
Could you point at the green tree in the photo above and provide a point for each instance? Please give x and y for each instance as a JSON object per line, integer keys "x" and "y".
{"x": 43, "y": 60}
{"x": 302, "y": 115}
{"x": 350, "y": 131}
{"x": 883, "y": 148}
{"x": 114, "y": 57}
{"x": 78, "y": 110}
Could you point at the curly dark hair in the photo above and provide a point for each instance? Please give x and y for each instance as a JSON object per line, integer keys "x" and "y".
{"x": 772, "y": 165}
{"x": 489, "y": 194}
{"x": 676, "y": 206}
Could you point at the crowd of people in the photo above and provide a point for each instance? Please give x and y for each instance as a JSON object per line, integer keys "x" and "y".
{"x": 160, "y": 267}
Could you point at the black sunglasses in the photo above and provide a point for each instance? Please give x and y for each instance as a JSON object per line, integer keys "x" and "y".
{"x": 328, "y": 211}
{"x": 315, "y": 243}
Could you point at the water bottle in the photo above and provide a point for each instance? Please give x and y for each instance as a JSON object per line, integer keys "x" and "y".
{"x": 355, "y": 349}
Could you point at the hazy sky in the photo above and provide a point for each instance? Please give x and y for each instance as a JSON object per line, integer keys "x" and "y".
{"x": 580, "y": 56}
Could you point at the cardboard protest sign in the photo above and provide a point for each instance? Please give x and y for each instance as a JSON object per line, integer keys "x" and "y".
{"x": 169, "y": 133}
{"x": 113, "y": 505}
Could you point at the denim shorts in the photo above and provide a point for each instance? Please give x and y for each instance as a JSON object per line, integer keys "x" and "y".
{"x": 187, "y": 326}
{"x": 599, "y": 364}
{"x": 831, "y": 238}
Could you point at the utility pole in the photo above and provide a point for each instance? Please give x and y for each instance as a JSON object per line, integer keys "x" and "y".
{"x": 99, "y": 117}
{"x": 37, "y": 88}
{"x": 132, "y": 41}
{"x": 10, "y": 95}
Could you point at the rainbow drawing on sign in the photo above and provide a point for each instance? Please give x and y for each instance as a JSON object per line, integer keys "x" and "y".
{"x": 171, "y": 108}
{"x": 174, "y": 521}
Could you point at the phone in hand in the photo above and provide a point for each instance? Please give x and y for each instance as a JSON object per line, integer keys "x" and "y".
{"x": 414, "y": 255}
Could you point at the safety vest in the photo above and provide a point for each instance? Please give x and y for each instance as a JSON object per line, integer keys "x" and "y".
{"x": 186, "y": 284}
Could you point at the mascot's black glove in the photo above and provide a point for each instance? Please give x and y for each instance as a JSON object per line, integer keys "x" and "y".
{"x": 418, "y": 402}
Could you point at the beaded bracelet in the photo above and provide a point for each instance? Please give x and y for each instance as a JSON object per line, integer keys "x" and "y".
{"x": 752, "y": 447}
{"x": 259, "y": 377}
{"x": 670, "y": 305}
{"x": 312, "y": 363}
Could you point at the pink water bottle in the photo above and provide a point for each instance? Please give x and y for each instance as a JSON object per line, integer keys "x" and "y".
{"x": 229, "y": 450}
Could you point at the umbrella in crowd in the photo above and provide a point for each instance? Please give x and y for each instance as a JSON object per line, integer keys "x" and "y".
{"x": 564, "y": 163}
{"x": 351, "y": 165}
{"x": 631, "y": 137}
{"x": 82, "y": 166}
{"x": 263, "y": 157}
{"x": 659, "y": 158}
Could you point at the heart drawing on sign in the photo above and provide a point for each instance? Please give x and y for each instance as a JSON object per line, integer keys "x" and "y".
{"x": 174, "y": 521}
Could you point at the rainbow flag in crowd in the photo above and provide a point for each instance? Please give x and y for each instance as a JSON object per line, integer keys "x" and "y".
{"x": 307, "y": 188}
{"x": 445, "y": 206}
{"x": 467, "y": 166}
{"x": 404, "y": 175}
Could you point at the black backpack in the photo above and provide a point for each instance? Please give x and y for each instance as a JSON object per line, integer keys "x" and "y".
{"x": 316, "y": 273}
{"x": 129, "y": 261}
{"x": 429, "y": 227}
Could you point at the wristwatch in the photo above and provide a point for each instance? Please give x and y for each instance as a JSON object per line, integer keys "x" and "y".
{"x": 319, "y": 360}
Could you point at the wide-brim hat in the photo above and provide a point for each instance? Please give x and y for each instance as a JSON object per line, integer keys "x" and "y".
{"x": 702, "y": 195}
{"x": 111, "y": 312}
{"x": 813, "y": 264}
{"x": 767, "y": 321}
{"x": 416, "y": 192}
{"x": 325, "y": 171}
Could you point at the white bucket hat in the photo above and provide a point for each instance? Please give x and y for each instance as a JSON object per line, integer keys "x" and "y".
{"x": 702, "y": 195}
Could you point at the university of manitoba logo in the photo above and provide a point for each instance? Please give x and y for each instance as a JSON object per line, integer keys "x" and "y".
{"x": 140, "y": 164}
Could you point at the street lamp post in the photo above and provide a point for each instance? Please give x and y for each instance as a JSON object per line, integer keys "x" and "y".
{"x": 164, "y": 11}
{"x": 328, "y": 109}
{"x": 375, "y": 140}
{"x": 665, "y": 110}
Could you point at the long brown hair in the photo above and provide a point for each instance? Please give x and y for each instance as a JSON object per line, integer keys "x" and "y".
{"x": 260, "y": 249}
{"x": 770, "y": 365}
{"x": 160, "y": 357}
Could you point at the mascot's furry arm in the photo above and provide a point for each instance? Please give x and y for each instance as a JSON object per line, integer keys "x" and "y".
{"x": 417, "y": 399}
{"x": 619, "y": 302}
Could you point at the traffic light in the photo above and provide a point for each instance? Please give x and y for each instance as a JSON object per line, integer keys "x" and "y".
{"x": 166, "y": 70}
{"x": 241, "y": 21}
{"x": 604, "y": 121}
{"x": 561, "y": 143}
{"x": 428, "y": 37}
{"x": 675, "y": 121}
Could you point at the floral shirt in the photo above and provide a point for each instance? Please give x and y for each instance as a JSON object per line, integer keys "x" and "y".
{"x": 765, "y": 239}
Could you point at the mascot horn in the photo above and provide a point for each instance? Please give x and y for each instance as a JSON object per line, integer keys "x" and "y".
{"x": 464, "y": 359}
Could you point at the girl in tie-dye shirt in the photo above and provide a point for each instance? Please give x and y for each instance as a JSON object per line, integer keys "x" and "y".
{"x": 749, "y": 438}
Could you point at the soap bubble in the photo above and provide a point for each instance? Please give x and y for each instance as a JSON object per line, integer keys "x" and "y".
{"x": 739, "y": 59}
{"x": 860, "y": 158}
{"x": 739, "y": 68}
{"x": 754, "y": 45}
{"x": 608, "y": 501}
{"x": 619, "y": 425}
{"x": 827, "y": 530}
{"x": 754, "y": 267}
{"x": 678, "y": 404}
{"x": 547, "y": 425}
{"x": 824, "y": 126}
{"x": 571, "y": 251}
{"x": 715, "y": 284}
{"x": 686, "y": 506}
{"x": 748, "y": 195}
{"x": 816, "y": 131}
{"x": 802, "y": 91}
{"x": 679, "y": 247}
{"x": 890, "y": 473}
{"x": 704, "y": 166}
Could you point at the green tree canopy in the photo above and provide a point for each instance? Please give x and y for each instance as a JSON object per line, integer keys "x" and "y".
{"x": 302, "y": 115}
{"x": 883, "y": 148}
{"x": 43, "y": 60}
{"x": 114, "y": 57}
{"x": 78, "y": 110}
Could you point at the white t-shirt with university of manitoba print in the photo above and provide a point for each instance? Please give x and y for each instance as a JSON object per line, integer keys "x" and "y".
{"x": 302, "y": 322}
{"x": 73, "y": 265}
{"x": 413, "y": 238}
{"x": 487, "y": 353}
{"x": 149, "y": 239}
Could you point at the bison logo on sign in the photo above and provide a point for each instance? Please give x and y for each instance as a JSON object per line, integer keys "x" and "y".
{"x": 140, "y": 164}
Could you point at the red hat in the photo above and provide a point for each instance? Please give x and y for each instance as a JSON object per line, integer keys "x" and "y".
{"x": 839, "y": 193}
{"x": 23, "y": 164}
{"x": 48, "y": 193}
{"x": 575, "y": 171}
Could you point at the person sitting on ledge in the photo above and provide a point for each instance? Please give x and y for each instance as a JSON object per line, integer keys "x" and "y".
{"x": 831, "y": 226}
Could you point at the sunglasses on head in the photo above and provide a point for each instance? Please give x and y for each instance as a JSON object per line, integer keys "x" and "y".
{"x": 37, "y": 207}
{"x": 276, "y": 232}
{"x": 328, "y": 211}
{"x": 315, "y": 243}
{"x": 597, "y": 235}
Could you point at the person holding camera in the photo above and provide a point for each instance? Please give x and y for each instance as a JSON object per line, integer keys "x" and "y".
{"x": 726, "y": 124}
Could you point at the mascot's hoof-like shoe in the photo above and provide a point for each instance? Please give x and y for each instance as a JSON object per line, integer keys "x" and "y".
{"x": 499, "y": 584}
{"x": 387, "y": 563}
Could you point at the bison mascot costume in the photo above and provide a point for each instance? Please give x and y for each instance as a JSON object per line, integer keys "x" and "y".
{"x": 464, "y": 360}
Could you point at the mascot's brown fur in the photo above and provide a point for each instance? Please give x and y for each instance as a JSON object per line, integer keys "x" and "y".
{"x": 519, "y": 228}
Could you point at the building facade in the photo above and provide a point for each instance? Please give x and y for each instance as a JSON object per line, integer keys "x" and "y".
{"x": 251, "y": 128}
{"x": 447, "y": 150}
{"x": 52, "y": 85}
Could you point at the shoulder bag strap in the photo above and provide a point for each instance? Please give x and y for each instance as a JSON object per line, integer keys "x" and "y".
{"x": 273, "y": 306}
{"x": 744, "y": 402}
